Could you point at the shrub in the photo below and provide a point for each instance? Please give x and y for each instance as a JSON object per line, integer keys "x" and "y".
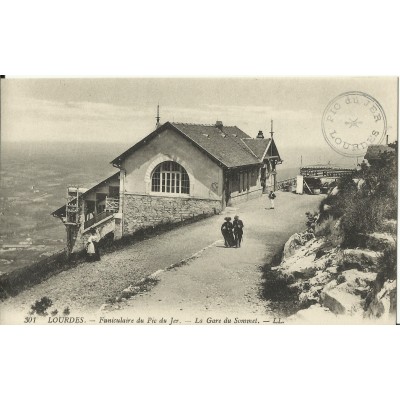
{"x": 362, "y": 209}
{"x": 326, "y": 227}
{"x": 387, "y": 262}
{"x": 364, "y": 214}
{"x": 40, "y": 306}
{"x": 311, "y": 221}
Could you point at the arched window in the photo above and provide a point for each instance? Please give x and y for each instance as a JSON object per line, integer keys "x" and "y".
{"x": 170, "y": 177}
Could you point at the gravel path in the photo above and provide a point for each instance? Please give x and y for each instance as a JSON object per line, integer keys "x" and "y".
{"x": 224, "y": 282}
{"x": 87, "y": 286}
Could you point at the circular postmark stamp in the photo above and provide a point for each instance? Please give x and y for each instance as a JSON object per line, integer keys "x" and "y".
{"x": 352, "y": 121}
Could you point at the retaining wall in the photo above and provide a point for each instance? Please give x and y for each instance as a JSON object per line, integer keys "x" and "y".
{"x": 142, "y": 211}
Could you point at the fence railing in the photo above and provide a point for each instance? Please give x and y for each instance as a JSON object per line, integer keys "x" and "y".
{"x": 285, "y": 184}
{"x": 97, "y": 218}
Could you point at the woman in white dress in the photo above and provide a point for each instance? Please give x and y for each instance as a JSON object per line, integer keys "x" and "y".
{"x": 90, "y": 245}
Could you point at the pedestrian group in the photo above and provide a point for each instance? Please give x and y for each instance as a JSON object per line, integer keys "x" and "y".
{"x": 232, "y": 232}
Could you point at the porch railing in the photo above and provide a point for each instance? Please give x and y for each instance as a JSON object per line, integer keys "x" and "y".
{"x": 112, "y": 204}
{"x": 111, "y": 207}
{"x": 97, "y": 218}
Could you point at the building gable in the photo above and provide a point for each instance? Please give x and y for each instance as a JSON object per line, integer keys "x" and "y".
{"x": 228, "y": 146}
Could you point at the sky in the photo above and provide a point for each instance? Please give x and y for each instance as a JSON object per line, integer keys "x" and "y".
{"x": 106, "y": 110}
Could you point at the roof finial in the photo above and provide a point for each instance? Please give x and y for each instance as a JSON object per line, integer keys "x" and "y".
{"x": 272, "y": 129}
{"x": 158, "y": 116}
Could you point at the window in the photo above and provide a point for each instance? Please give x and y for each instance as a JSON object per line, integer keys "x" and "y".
{"x": 170, "y": 177}
{"x": 114, "y": 191}
{"x": 245, "y": 176}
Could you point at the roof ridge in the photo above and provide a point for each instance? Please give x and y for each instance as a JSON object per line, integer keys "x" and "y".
{"x": 197, "y": 124}
{"x": 217, "y": 158}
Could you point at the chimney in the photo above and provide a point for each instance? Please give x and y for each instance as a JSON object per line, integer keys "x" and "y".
{"x": 260, "y": 135}
{"x": 219, "y": 125}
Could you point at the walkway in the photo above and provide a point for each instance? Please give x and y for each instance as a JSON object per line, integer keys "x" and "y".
{"x": 220, "y": 281}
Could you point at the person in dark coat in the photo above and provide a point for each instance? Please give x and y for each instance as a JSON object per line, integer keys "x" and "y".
{"x": 227, "y": 232}
{"x": 238, "y": 230}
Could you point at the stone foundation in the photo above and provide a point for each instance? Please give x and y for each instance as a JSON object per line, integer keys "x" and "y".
{"x": 142, "y": 211}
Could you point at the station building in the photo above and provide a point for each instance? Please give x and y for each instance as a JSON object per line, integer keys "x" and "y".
{"x": 177, "y": 172}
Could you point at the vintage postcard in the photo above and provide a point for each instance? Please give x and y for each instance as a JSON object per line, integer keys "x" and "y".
{"x": 229, "y": 201}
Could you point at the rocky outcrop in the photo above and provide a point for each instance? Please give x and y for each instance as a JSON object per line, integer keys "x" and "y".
{"x": 347, "y": 297}
{"x": 383, "y": 304}
{"x": 361, "y": 259}
{"x": 295, "y": 242}
{"x": 344, "y": 283}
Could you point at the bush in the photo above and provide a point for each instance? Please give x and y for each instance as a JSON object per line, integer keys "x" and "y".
{"x": 362, "y": 208}
{"x": 40, "y": 306}
{"x": 326, "y": 227}
{"x": 311, "y": 221}
{"x": 363, "y": 215}
{"x": 387, "y": 263}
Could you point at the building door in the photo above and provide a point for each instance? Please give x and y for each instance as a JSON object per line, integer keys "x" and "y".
{"x": 227, "y": 189}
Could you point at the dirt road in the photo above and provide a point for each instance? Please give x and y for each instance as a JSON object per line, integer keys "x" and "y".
{"x": 220, "y": 280}
{"x": 225, "y": 282}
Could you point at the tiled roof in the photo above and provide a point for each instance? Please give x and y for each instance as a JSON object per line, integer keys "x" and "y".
{"x": 227, "y": 145}
{"x": 375, "y": 151}
{"x": 257, "y": 146}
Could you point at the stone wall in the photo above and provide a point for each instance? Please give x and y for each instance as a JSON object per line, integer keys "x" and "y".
{"x": 142, "y": 211}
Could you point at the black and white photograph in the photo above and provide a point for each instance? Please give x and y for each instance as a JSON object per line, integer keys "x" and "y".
{"x": 199, "y": 200}
{"x": 168, "y": 201}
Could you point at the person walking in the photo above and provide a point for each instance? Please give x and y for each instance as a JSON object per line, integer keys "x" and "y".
{"x": 238, "y": 230}
{"x": 227, "y": 232}
{"x": 271, "y": 197}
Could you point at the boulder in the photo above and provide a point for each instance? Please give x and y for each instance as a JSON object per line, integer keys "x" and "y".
{"x": 333, "y": 270}
{"x": 320, "y": 278}
{"x": 356, "y": 278}
{"x": 357, "y": 258}
{"x": 295, "y": 242}
{"x": 302, "y": 267}
{"x": 311, "y": 296}
{"x": 383, "y": 306}
{"x": 341, "y": 299}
